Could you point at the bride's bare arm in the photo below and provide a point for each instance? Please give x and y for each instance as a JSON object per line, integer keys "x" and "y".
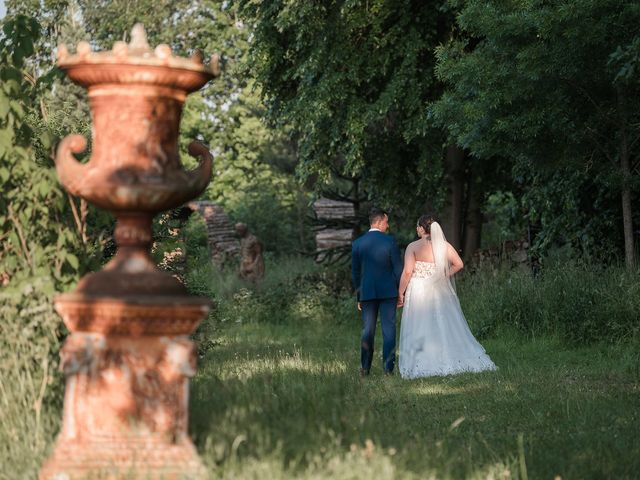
{"x": 455, "y": 261}
{"x": 409, "y": 261}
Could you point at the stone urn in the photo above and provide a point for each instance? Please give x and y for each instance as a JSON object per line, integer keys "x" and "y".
{"x": 128, "y": 358}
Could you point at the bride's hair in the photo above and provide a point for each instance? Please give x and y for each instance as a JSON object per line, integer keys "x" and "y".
{"x": 425, "y": 222}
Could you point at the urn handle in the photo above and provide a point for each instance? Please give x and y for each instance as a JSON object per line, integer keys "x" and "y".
{"x": 200, "y": 177}
{"x": 70, "y": 171}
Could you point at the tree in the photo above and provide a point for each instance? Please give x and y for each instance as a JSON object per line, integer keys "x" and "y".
{"x": 548, "y": 85}
{"x": 353, "y": 81}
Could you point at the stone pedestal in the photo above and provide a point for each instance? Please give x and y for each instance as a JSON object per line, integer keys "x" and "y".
{"x": 127, "y": 368}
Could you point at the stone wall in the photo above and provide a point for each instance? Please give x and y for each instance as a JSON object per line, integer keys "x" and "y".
{"x": 335, "y": 230}
{"x": 221, "y": 236}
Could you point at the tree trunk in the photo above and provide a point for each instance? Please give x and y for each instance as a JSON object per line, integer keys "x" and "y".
{"x": 302, "y": 227}
{"x": 629, "y": 244}
{"x": 625, "y": 166}
{"x": 357, "y": 231}
{"x": 473, "y": 220}
{"x": 455, "y": 169}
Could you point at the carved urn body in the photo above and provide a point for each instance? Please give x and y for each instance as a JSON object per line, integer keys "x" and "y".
{"x": 128, "y": 359}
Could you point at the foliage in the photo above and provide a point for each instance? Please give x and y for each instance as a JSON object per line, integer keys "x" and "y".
{"x": 353, "y": 79}
{"x": 503, "y": 217}
{"x": 625, "y": 62}
{"x": 277, "y": 393}
{"x": 294, "y": 288}
{"x": 252, "y": 177}
{"x": 36, "y": 234}
{"x": 280, "y": 223}
{"x": 41, "y": 252}
{"x": 270, "y": 354}
{"x": 579, "y": 303}
{"x": 513, "y": 52}
{"x": 550, "y": 87}
{"x": 281, "y": 363}
{"x": 570, "y": 208}
{"x": 253, "y": 172}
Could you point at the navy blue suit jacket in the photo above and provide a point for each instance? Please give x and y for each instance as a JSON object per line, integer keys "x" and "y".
{"x": 375, "y": 266}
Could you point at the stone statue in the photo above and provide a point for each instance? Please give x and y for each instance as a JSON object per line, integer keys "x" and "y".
{"x": 251, "y": 260}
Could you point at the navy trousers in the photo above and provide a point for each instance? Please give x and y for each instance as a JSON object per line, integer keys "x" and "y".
{"x": 386, "y": 307}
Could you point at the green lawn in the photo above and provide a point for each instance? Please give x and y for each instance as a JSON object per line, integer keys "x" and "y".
{"x": 283, "y": 401}
{"x": 277, "y": 394}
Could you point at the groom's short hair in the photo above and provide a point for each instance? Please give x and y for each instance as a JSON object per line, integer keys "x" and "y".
{"x": 376, "y": 214}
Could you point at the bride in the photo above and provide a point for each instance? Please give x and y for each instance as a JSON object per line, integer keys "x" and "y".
{"x": 434, "y": 336}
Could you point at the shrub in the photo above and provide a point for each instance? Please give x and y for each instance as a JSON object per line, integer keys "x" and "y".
{"x": 295, "y": 289}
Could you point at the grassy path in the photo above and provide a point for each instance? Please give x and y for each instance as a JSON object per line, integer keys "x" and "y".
{"x": 285, "y": 401}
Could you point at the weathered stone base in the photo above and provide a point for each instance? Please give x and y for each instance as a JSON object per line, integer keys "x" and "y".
{"x": 124, "y": 460}
{"x": 125, "y": 410}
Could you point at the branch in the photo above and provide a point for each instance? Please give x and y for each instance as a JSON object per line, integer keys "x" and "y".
{"x": 29, "y": 78}
{"x": 83, "y": 218}
{"x": 581, "y": 90}
{"x": 633, "y": 142}
{"x": 43, "y": 110}
{"x": 599, "y": 146}
{"x": 21, "y": 236}
{"x": 76, "y": 217}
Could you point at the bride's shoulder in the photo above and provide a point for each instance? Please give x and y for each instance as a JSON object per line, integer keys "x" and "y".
{"x": 413, "y": 245}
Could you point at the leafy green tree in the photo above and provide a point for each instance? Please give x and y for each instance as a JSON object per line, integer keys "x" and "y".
{"x": 59, "y": 108}
{"x": 353, "y": 80}
{"x": 549, "y": 86}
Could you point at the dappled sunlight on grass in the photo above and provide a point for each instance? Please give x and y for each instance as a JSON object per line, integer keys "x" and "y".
{"x": 278, "y": 363}
{"x": 496, "y": 471}
{"x": 444, "y": 389}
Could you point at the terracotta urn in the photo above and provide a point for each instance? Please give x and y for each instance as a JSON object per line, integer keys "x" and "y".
{"x": 129, "y": 358}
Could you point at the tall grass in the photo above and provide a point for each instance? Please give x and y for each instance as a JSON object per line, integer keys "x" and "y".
{"x": 579, "y": 303}
{"x": 294, "y": 289}
{"x": 30, "y": 385}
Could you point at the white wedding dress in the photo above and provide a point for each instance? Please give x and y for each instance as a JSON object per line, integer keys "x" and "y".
{"x": 434, "y": 336}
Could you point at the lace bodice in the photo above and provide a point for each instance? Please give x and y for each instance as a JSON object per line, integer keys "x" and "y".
{"x": 423, "y": 269}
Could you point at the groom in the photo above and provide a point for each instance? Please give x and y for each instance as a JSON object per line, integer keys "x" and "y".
{"x": 375, "y": 273}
